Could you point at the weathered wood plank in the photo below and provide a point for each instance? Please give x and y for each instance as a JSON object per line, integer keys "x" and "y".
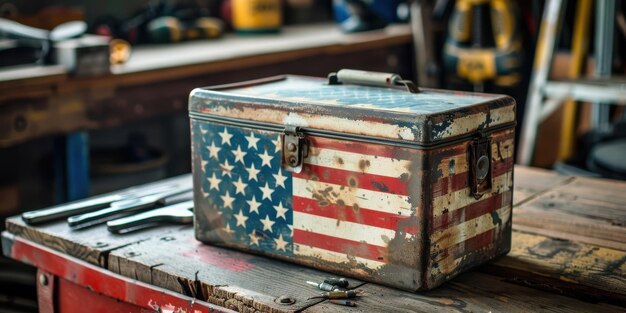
{"x": 586, "y": 210}
{"x": 91, "y": 245}
{"x": 564, "y": 267}
{"x": 228, "y": 278}
{"x": 530, "y": 182}
{"x": 470, "y": 292}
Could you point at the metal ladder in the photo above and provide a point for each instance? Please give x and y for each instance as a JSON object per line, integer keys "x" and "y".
{"x": 545, "y": 96}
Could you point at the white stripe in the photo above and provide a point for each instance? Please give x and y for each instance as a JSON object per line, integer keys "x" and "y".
{"x": 342, "y": 229}
{"x": 356, "y": 162}
{"x": 349, "y": 196}
{"x": 461, "y": 198}
{"x": 334, "y": 257}
{"x": 451, "y": 236}
{"x": 502, "y": 115}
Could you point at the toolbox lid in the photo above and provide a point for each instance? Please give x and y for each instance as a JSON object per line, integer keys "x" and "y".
{"x": 424, "y": 118}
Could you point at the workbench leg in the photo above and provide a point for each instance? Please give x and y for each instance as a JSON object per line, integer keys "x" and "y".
{"x": 71, "y": 167}
{"x": 45, "y": 291}
{"x": 77, "y": 150}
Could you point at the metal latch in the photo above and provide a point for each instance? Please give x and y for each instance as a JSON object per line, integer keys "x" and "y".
{"x": 295, "y": 148}
{"x": 480, "y": 166}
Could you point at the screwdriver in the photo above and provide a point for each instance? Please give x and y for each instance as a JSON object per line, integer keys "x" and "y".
{"x": 324, "y": 286}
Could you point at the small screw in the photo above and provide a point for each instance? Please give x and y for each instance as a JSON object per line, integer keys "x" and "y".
{"x": 292, "y": 160}
{"x": 132, "y": 254}
{"x": 291, "y": 147}
{"x": 100, "y": 244}
{"x": 286, "y": 300}
{"x": 43, "y": 280}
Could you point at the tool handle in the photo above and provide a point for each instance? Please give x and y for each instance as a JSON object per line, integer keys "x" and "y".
{"x": 177, "y": 213}
{"x": 69, "y": 209}
{"x": 348, "y": 76}
{"x": 104, "y": 214}
{"x": 84, "y": 206}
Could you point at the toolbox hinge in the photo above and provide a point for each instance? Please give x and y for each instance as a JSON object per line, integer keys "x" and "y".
{"x": 295, "y": 148}
{"x": 480, "y": 166}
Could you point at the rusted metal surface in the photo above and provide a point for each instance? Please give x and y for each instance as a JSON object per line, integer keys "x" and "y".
{"x": 465, "y": 231}
{"x": 55, "y": 265}
{"x": 431, "y": 116}
{"x": 404, "y": 212}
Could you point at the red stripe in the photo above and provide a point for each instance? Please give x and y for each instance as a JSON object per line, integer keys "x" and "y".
{"x": 363, "y": 148}
{"x": 469, "y": 212}
{"x": 470, "y": 245}
{"x": 459, "y": 181}
{"x": 361, "y": 215}
{"x": 349, "y": 247}
{"x": 373, "y": 182}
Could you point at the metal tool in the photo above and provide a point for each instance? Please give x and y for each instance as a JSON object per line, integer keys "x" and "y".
{"x": 180, "y": 213}
{"x": 339, "y": 282}
{"x": 338, "y": 294}
{"x": 324, "y": 286}
{"x": 100, "y": 202}
{"x": 126, "y": 207}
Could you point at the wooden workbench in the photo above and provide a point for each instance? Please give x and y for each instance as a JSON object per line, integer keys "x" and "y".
{"x": 568, "y": 254}
{"x": 37, "y": 101}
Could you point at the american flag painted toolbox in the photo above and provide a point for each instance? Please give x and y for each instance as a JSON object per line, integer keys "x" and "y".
{"x": 360, "y": 174}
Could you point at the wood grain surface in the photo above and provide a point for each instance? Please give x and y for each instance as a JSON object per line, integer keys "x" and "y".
{"x": 566, "y": 264}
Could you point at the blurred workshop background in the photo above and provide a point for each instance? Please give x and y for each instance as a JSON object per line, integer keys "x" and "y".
{"x": 93, "y": 94}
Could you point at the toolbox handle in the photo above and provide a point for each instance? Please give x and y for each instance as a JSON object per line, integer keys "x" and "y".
{"x": 349, "y": 76}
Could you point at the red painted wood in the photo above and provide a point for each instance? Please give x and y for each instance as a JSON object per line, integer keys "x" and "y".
{"x": 45, "y": 291}
{"x": 102, "y": 281}
{"x": 74, "y": 298}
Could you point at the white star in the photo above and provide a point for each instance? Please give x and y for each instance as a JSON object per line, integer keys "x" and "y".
{"x": 280, "y": 211}
{"x": 228, "y": 200}
{"x": 254, "y": 240}
{"x": 281, "y": 244}
{"x": 214, "y": 182}
{"x": 280, "y": 179}
{"x": 267, "y": 223}
{"x": 265, "y": 159}
{"x": 240, "y": 186}
{"x": 225, "y": 137}
{"x": 267, "y": 192}
{"x": 203, "y": 164}
{"x": 203, "y": 131}
{"x": 239, "y": 155}
{"x": 213, "y": 150}
{"x": 277, "y": 144}
{"x": 252, "y": 141}
{"x": 228, "y": 230}
{"x": 241, "y": 219}
{"x": 226, "y": 168}
{"x": 254, "y": 206}
{"x": 252, "y": 172}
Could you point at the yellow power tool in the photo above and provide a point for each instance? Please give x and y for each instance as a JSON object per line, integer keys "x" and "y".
{"x": 484, "y": 43}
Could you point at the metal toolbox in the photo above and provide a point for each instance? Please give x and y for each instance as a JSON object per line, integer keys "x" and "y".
{"x": 360, "y": 174}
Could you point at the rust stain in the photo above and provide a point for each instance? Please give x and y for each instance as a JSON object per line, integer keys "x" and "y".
{"x": 364, "y": 165}
{"x": 326, "y": 174}
{"x": 380, "y": 186}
